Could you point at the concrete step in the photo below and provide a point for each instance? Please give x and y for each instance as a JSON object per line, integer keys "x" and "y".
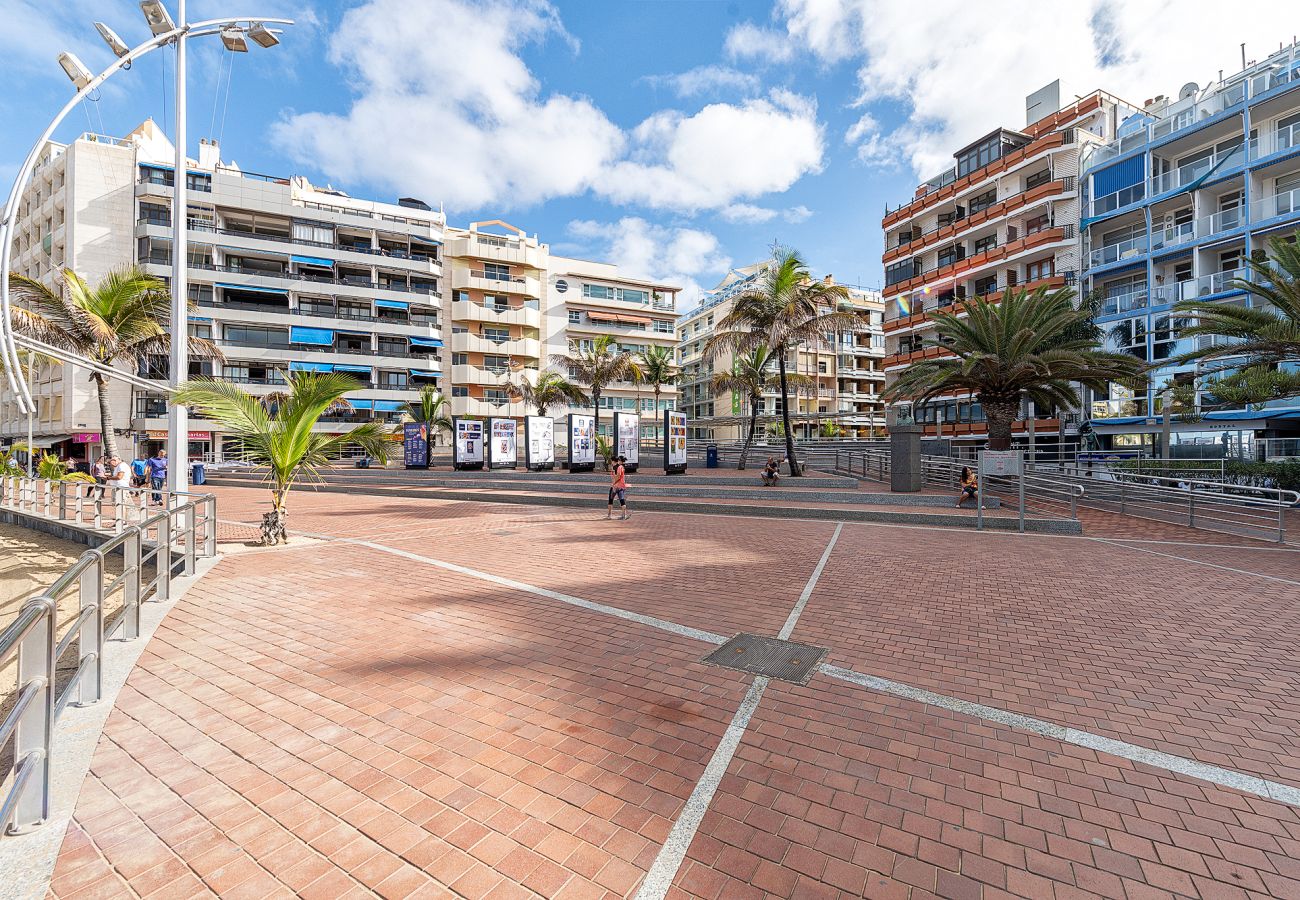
{"x": 781, "y": 508}
{"x": 747, "y": 478}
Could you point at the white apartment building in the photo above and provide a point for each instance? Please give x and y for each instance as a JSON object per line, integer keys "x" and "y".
{"x": 514, "y": 307}
{"x": 289, "y": 276}
{"x": 848, "y": 371}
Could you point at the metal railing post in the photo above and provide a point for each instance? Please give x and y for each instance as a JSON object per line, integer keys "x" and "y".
{"x": 1191, "y": 508}
{"x": 1122, "y": 507}
{"x": 210, "y": 532}
{"x": 92, "y": 631}
{"x": 163, "y": 557}
{"x": 1281, "y": 524}
{"x": 36, "y": 724}
{"x": 119, "y": 510}
{"x": 63, "y": 500}
{"x": 187, "y": 531}
{"x": 47, "y": 498}
{"x": 131, "y": 585}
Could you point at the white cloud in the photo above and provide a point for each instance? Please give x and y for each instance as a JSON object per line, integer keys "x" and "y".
{"x": 749, "y": 41}
{"x": 447, "y": 109}
{"x": 722, "y": 154}
{"x": 746, "y": 214}
{"x": 996, "y": 52}
{"x": 796, "y": 214}
{"x": 664, "y": 253}
{"x": 706, "y": 80}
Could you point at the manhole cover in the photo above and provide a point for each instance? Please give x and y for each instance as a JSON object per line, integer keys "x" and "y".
{"x": 768, "y": 656}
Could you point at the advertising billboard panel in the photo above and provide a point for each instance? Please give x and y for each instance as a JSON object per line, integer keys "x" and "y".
{"x": 539, "y": 442}
{"x": 467, "y": 449}
{"x": 674, "y": 442}
{"x": 582, "y": 443}
{"x": 627, "y": 432}
{"x": 503, "y": 452}
{"x": 415, "y": 445}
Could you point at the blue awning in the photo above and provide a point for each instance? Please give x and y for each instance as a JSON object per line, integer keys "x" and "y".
{"x": 365, "y": 370}
{"x": 424, "y": 240}
{"x": 299, "y": 366}
{"x": 392, "y": 304}
{"x": 320, "y": 336}
{"x": 389, "y": 405}
{"x": 425, "y": 342}
{"x": 1119, "y": 176}
{"x": 425, "y": 373}
{"x": 313, "y": 261}
{"x": 361, "y": 404}
{"x": 248, "y": 287}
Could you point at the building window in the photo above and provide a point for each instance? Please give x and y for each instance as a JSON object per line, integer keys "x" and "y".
{"x": 575, "y": 317}
{"x": 460, "y": 359}
{"x": 986, "y": 243}
{"x": 663, "y": 326}
{"x": 950, "y": 255}
{"x": 496, "y": 272}
{"x": 1044, "y": 268}
{"x": 986, "y": 285}
{"x": 1034, "y": 180}
{"x": 598, "y": 291}
{"x": 1038, "y": 223}
{"x": 458, "y": 391}
{"x": 902, "y": 271}
{"x": 983, "y": 201}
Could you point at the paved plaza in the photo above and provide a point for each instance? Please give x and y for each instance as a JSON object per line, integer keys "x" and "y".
{"x": 439, "y": 698}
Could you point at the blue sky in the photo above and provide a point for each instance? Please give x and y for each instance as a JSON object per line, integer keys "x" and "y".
{"x": 675, "y": 137}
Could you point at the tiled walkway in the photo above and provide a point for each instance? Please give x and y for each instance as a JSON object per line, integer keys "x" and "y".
{"x": 388, "y": 718}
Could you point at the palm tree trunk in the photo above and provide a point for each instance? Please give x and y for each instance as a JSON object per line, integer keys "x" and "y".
{"x": 658, "y": 437}
{"x": 595, "y": 402}
{"x": 753, "y": 423}
{"x": 105, "y": 416}
{"x": 795, "y": 470}
{"x": 275, "y": 524}
{"x": 1000, "y": 414}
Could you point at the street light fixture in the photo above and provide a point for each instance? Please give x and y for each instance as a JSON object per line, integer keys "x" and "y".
{"x": 75, "y": 69}
{"x": 263, "y": 36}
{"x": 233, "y": 38}
{"x": 160, "y": 21}
{"x": 115, "y": 43}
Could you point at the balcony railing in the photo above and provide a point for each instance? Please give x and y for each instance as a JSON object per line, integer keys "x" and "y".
{"x": 1112, "y": 253}
{"x": 1194, "y": 288}
{"x": 1285, "y": 203}
{"x": 1185, "y": 175}
{"x": 1126, "y": 302}
{"x": 1172, "y": 236}
{"x": 1277, "y": 141}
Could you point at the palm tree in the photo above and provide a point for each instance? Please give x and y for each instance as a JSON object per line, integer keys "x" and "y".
{"x": 278, "y": 432}
{"x": 600, "y": 365}
{"x": 657, "y": 369}
{"x": 430, "y": 408}
{"x": 751, "y": 375}
{"x": 122, "y": 319}
{"x": 551, "y": 389}
{"x": 1267, "y": 333}
{"x": 784, "y": 308}
{"x": 1003, "y": 351}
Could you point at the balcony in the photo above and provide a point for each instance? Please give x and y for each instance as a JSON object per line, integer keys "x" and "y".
{"x": 473, "y": 406}
{"x": 1189, "y": 174}
{"x": 203, "y": 232}
{"x": 1123, "y": 303}
{"x": 1173, "y": 236}
{"x": 1196, "y": 288}
{"x": 529, "y": 315}
{"x": 464, "y": 342}
{"x": 1113, "y": 253}
{"x": 478, "y": 280}
{"x": 1286, "y": 203}
{"x": 1280, "y": 140}
{"x": 498, "y": 249}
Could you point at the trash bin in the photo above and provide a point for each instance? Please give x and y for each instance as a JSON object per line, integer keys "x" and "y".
{"x": 198, "y": 473}
{"x": 711, "y": 456}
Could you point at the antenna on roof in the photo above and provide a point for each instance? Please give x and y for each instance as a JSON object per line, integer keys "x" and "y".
{"x": 1243, "y": 54}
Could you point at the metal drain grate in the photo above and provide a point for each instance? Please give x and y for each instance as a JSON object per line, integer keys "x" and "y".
{"x": 768, "y": 656}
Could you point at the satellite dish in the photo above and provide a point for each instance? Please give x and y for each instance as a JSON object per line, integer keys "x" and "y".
{"x": 1188, "y": 90}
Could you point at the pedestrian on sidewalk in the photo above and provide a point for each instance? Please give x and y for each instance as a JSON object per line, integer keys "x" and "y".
{"x": 158, "y": 474}
{"x": 618, "y": 488}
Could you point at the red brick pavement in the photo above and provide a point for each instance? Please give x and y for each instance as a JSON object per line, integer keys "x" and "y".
{"x": 1179, "y": 657}
{"x": 338, "y": 721}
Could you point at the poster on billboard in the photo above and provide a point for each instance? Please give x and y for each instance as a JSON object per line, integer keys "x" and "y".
{"x": 415, "y": 445}
{"x": 467, "y": 449}
{"x": 674, "y": 442}
{"x": 503, "y": 451}
{"x": 627, "y": 431}
{"x": 582, "y": 443}
{"x": 539, "y": 442}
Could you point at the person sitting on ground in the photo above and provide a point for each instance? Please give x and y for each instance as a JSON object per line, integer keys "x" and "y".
{"x": 969, "y": 486}
{"x": 771, "y": 472}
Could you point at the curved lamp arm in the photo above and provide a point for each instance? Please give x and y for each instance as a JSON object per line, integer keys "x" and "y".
{"x": 8, "y": 346}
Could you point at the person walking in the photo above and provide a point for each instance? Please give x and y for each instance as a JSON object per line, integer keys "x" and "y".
{"x": 618, "y": 488}
{"x": 139, "y": 472}
{"x": 157, "y": 475}
{"x": 100, "y": 471}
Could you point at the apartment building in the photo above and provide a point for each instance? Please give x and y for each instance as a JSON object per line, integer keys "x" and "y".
{"x": 847, "y": 370}
{"x": 1006, "y": 214}
{"x": 289, "y": 276}
{"x": 514, "y": 307}
{"x": 1190, "y": 189}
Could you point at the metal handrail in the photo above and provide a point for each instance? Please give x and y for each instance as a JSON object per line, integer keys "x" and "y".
{"x": 183, "y": 529}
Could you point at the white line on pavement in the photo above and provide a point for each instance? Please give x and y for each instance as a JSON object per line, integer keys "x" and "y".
{"x": 1199, "y": 562}
{"x": 664, "y": 870}
{"x": 1250, "y": 784}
